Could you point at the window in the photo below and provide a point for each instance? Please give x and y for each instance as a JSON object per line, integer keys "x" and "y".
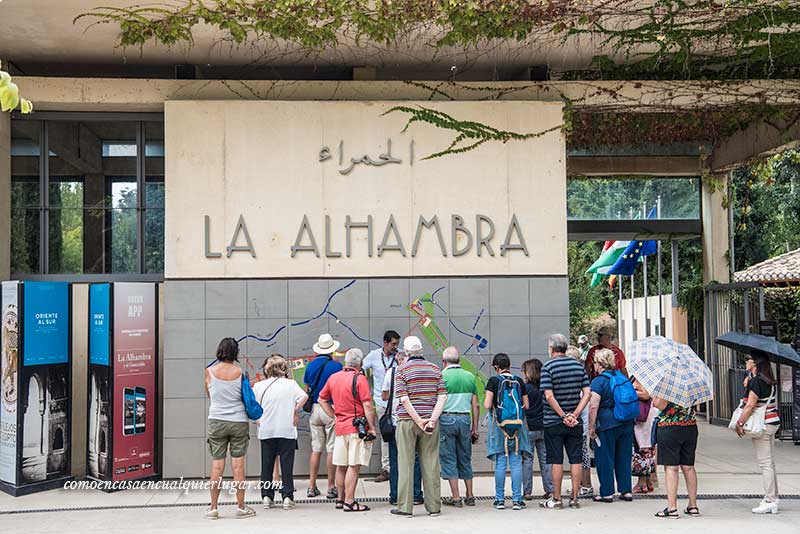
{"x": 95, "y": 203}
{"x": 612, "y": 198}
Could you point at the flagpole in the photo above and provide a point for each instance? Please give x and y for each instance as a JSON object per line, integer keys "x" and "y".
{"x": 621, "y": 322}
{"x": 660, "y": 273}
{"x": 644, "y": 273}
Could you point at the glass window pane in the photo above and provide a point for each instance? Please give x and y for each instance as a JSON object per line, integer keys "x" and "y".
{"x": 65, "y": 193}
{"x": 154, "y": 197}
{"x": 154, "y": 241}
{"x": 609, "y": 198}
{"x": 25, "y": 192}
{"x": 65, "y": 250}
{"x": 120, "y": 241}
{"x": 25, "y": 241}
{"x": 121, "y": 192}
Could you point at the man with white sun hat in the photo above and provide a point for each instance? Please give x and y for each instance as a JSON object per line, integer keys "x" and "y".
{"x": 321, "y": 424}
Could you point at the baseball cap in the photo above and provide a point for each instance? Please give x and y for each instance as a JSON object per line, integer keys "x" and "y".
{"x": 412, "y": 343}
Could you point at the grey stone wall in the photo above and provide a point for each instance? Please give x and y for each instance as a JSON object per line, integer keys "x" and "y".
{"x": 512, "y": 315}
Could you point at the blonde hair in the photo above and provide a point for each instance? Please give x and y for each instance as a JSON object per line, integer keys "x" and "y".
{"x": 605, "y": 358}
{"x": 276, "y": 366}
{"x": 573, "y": 352}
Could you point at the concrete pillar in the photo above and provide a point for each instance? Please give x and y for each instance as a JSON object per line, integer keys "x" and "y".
{"x": 716, "y": 244}
{"x": 5, "y": 195}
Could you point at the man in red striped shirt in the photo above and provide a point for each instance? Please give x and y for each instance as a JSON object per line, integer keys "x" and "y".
{"x": 422, "y": 394}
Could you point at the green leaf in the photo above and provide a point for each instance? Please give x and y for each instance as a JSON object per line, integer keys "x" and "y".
{"x": 9, "y": 97}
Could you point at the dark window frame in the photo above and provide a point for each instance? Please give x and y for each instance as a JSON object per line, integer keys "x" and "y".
{"x": 44, "y": 187}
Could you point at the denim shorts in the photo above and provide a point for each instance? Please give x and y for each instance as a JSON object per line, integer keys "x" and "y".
{"x": 455, "y": 446}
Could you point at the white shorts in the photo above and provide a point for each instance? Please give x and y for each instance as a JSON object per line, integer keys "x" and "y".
{"x": 322, "y": 431}
{"x": 349, "y": 450}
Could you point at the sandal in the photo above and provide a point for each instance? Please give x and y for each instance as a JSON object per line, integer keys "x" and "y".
{"x": 355, "y": 507}
{"x": 692, "y": 510}
{"x": 627, "y": 497}
{"x": 639, "y": 489}
{"x": 312, "y": 492}
{"x": 339, "y": 505}
{"x": 668, "y": 514}
{"x": 332, "y": 493}
{"x": 598, "y": 498}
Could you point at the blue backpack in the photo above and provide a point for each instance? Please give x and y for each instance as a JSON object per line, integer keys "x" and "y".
{"x": 625, "y": 402}
{"x": 509, "y": 413}
{"x": 251, "y": 405}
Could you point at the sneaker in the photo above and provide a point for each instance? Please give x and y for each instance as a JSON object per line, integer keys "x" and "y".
{"x": 395, "y": 511}
{"x": 552, "y": 503}
{"x": 383, "y": 476}
{"x": 211, "y": 514}
{"x": 434, "y": 514}
{"x": 586, "y": 491}
{"x": 518, "y": 505}
{"x": 268, "y": 503}
{"x": 499, "y": 505}
{"x": 244, "y": 513}
{"x": 766, "y": 508}
{"x": 449, "y": 501}
{"x": 573, "y": 503}
{"x": 288, "y": 503}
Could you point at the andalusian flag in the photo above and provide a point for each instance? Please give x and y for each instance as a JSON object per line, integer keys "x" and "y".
{"x": 612, "y": 250}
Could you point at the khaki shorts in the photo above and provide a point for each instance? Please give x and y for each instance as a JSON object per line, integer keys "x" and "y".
{"x": 322, "y": 432}
{"x": 349, "y": 450}
{"x": 222, "y": 434}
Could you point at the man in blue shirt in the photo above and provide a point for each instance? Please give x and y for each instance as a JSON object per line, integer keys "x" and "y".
{"x": 377, "y": 363}
{"x": 321, "y": 424}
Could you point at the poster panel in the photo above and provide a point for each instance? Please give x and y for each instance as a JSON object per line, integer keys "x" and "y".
{"x": 134, "y": 380}
{"x": 46, "y": 320}
{"x": 9, "y": 362}
{"x": 99, "y": 406}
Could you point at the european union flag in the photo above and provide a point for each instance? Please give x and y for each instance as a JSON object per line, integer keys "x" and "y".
{"x": 626, "y": 263}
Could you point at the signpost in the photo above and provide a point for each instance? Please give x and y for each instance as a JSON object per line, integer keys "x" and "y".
{"x": 122, "y": 379}
{"x": 36, "y": 385}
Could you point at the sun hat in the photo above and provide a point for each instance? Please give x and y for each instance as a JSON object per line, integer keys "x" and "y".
{"x": 325, "y": 344}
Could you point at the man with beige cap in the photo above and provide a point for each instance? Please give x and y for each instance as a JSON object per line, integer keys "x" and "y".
{"x": 422, "y": 394}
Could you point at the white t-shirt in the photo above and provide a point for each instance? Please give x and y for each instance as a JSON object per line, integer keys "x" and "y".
{"x": 388, "y": 385}
{"x": 380, "y": 365}
{"x": 279, "y": 401}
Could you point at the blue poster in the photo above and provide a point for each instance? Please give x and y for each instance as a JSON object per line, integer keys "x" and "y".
{"x": 45, "y": 323}
{"x": 99, "y": 305}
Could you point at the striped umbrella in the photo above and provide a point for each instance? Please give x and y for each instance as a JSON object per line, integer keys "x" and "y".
{"x": 671, "y": 371}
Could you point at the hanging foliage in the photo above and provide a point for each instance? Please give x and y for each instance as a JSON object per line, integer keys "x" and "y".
{"x": 9, "y": 95}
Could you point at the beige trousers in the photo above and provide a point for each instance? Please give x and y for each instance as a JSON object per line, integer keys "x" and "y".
{"x": 764, "y": 447}
{"x": 411, "y": 438}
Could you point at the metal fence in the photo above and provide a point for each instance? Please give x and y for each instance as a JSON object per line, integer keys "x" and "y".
{"x": 736, "y": 307}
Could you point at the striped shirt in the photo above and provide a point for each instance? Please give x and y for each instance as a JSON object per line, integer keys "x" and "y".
{"x": 420, "y": 381}
{"x": 566, "y": 378}
{"x": 460, "y": 385}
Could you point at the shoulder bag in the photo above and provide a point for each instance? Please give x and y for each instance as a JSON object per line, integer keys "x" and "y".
{"x": 756, "y": 424}
{"x": 251, "y": 406}
{"x": 385, "y": 423}
{"x": 309, "y": 405}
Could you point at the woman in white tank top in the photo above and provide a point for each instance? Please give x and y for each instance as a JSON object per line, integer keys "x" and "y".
{"x": 228, "y": 426}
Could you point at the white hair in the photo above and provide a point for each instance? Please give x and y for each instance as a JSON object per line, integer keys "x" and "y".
{"x": 353, "y": 358}
{"x": 558, "y": 342}
{"x": 450, "y": 355}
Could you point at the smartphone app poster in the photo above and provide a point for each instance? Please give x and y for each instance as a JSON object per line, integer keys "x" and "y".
{"x": 134, "y": 380}
{"x": 46, "y": 320}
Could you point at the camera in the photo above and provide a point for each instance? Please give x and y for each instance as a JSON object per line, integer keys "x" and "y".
{"x": 361, "y": 425}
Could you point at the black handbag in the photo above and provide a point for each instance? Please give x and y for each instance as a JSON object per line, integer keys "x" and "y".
{"x": 385, "y": 423}
{"x": 309, "y": 405}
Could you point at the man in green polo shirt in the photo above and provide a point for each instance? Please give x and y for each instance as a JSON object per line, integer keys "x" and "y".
{"x": 458, "y": 429}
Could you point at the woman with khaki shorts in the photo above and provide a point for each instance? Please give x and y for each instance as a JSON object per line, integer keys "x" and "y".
{"x": 228, "y": 426}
